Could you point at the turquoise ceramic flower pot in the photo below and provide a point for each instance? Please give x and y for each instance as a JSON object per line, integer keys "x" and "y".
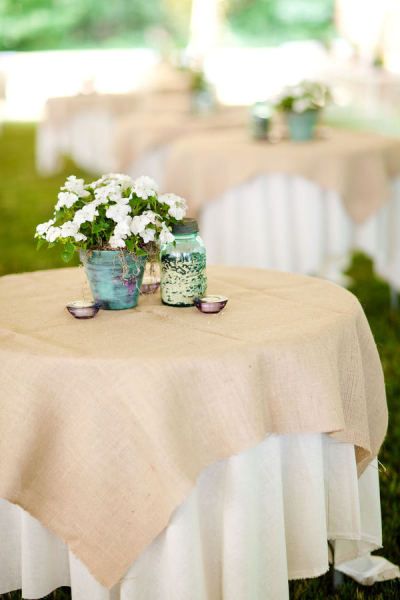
{"x": 302, "y": 125}
{"x": 115, "y": 277}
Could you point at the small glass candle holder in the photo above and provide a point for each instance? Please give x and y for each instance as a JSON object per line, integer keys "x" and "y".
{"x": 83, "y": 309}
{"x": 151, "y": 279}
{"x": 211, "y": 304}
{"x": 260, "y": 120}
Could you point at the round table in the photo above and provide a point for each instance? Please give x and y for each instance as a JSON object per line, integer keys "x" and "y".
{"x": 300, "y": 207}
{"x": 159, "y": 448}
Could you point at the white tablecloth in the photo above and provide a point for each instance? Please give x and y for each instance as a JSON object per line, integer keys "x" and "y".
{"x": 84, "y": 137}
{"x": 252, "y": 522}
{"x": 289, "y": 223}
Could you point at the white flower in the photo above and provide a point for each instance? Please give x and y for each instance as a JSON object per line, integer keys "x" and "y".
{"x": 77, "y": 186}
{"x": 52, "y": 234}
{"x": 297, "y": 91}
{"x": 301, "y": 105}
{"x": 139, "y": 224}
{"x": 118, "y": 212}
{"x": 115, "y": 193}
{"x": 122, "y": 229}
{"x": 144, "y": 187}
{"x": 177, "y": 212}
{"x": 151, "y": 216}
{"x": 177, "y": 205}
{"x": 68, "y": 229}
{"x": 116, "y": 242}
{"x": 112, "y": 192}
{"x": 169, "y": 199}
{"x": 97, "y": 201}
{"x": 123, "y": 180}
{"x": 95, "y": 184}
{"x": 43, "y": 227}
{"x": 86, "y": 214}
{"x": 80, "y": 217}
{"x": 148, "y": 235}
{"x": 120, "y": 233}
{"x": 66, "y": 199}
{"x": 101, "y": 195}
{"x": 165, "y": 235}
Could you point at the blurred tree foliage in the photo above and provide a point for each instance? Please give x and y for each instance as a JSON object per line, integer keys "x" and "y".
{"x": 267, "y": 22}
{"x": 48, "y": 24}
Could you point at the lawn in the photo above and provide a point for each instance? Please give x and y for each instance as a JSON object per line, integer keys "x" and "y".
{"x": 26, "y": 199}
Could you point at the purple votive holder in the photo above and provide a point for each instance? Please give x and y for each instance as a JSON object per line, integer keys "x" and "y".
{"x": 150, "y": 288}
{"x": 83, "y": 309}
{"x": 211, "y": 304}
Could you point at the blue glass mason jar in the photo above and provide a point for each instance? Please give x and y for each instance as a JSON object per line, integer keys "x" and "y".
{"x": 183, "y": 266}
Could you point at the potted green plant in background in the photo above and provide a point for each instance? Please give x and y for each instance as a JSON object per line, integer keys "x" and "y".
{"x": 302, "y": 105}
{"x": 116, "y": 224}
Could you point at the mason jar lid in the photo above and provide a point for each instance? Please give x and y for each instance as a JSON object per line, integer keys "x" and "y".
{"x": 185, "y": 227}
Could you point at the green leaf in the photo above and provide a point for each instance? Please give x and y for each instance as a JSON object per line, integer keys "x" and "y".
{"x": 40, "y": 243}
{"x": 98, "y": 227}
{"x": 68, "y": 252}
{"x": 130, "y": 244}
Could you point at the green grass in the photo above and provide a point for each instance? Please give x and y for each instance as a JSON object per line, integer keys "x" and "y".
{"x": 26, "y": 200}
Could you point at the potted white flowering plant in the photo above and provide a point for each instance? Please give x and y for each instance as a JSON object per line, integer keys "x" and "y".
{"x": 115, "y": 223}
{"x": 302, "y": 105}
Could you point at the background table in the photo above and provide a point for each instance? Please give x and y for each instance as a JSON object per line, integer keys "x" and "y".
{"x": 294, "y": 207}
{"x": 78, "y": 126}
{"x": 83, "y": 126}
{"x": 270, "y": 216}
{"x": 289, "y": 355}
{"x": 295, "y": 219}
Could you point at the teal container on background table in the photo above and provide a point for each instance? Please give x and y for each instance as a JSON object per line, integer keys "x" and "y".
{"x": 260, "y": 120}
{"x": 302, "y": 125}
{"x": 115, "y": 277}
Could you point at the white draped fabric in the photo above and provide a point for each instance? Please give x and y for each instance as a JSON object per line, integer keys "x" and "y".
{"x": 252, "y": 522}
{"x": 86, "y": 137}
{"x": 289, "y": 223}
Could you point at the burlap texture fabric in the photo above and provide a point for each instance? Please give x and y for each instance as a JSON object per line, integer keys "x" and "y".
{"x": 358, "y": 166}
{"x": 105, "y": 424}
{"x": 59, "y": 110}
{"x": 145, "y": 131}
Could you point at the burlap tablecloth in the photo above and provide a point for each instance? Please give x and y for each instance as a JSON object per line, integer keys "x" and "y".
{"x": 146, "y": 130}
{"x": 59, "y": 110}
{"x": 358, "y": 166}
{"x": 105, "y": 424}
{"x": 167, "y": 89}
{"x": 166, "y": 77}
